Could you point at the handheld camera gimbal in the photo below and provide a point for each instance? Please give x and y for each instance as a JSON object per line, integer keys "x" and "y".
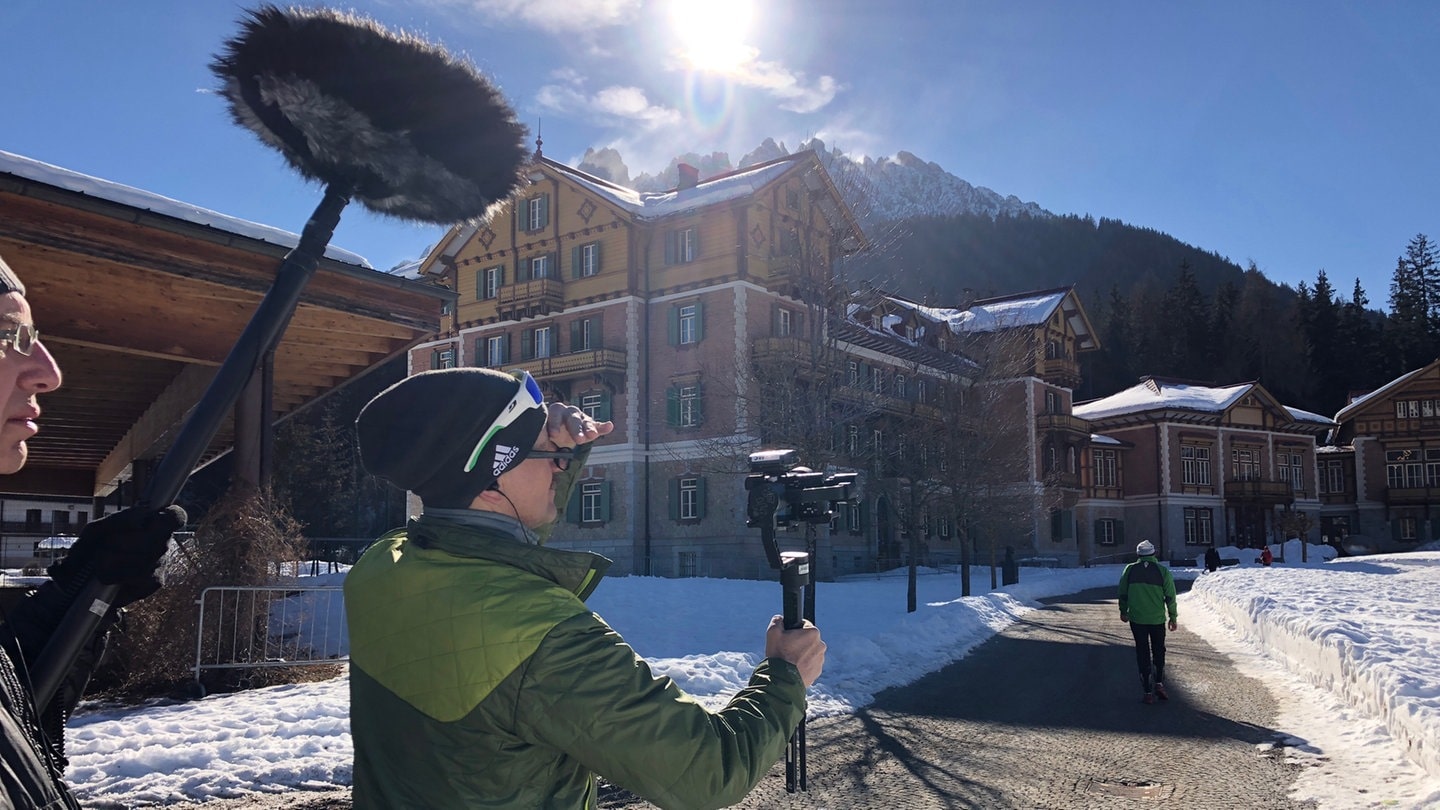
{"x": 783, "y": 494}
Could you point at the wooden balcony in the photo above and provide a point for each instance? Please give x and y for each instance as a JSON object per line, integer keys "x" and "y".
{"x": 1412, "y": 496}
{"x": 1063, "y": 423}
{"x": 1261, "y": 492}
{"x": 574, "y": 365}
{"x": 794, "y": 352}
{"x": 1061, "y": 371}
{"x": 528, "y": 299}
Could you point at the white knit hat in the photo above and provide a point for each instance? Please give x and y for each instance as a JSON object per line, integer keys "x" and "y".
{"x": 1145, "y": 549}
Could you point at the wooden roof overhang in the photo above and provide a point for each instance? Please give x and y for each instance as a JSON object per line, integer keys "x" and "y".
{"x": 140, "y": 309}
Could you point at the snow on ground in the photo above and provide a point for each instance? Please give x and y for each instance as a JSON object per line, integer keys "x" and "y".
{"x": 1346, "y": 646}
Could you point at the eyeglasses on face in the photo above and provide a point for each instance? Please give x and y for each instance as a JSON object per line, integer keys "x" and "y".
{"x": 22, "y": 337}
{"x": 561, "y": 457}
{"x": 525, "y": 399}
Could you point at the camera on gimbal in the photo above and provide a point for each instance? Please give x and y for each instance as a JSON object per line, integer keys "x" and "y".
{"x": 777, "y": 481}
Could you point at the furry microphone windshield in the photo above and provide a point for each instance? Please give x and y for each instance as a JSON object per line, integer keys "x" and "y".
{"x": 390, "y": 120}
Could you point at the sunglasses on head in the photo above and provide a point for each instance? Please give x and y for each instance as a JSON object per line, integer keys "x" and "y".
{"x": 526, "y": 399}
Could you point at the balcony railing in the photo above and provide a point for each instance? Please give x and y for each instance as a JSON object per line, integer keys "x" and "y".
{"x": 1062, "y": 370}
{"x": 1412, "y": 496}
{"x": 575, "y": 364}
{"x": 1256, "y": 491}
{"x": 540, "y": 296}
{"x": 1063, "y": 422}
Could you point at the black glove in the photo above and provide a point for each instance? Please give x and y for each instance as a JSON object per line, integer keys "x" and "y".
{"x": 121, "y": 549}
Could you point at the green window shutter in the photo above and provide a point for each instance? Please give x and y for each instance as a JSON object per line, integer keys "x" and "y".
{"x": 575, "y": 262}
{"x": 522, "y": 271}
{"x": 597, "y": 330}
{"x": 505, "y": 348}
{"x": 575, "y": 333}
{"x": 1095, "y": 530}
{"x": 674, "y": 499}
{"x": 673, "y": 325}
{"x": 1120, "y": 532}
{"x": 775, "y": 319}
{"x": 699, "y": 321}
{"x": 479, "y": 285}
{"x": 797, "y": 324}
{"x": 699, "y": 404}
{"x": 1394, "y": 524}
{"x": 700, "y": 497}
{"x": 434, "y": 359}
{"x": 501, "y": 272}
{"x": 605, "y": 502}
{"x": 670, "y": 238}
{"x": 527, "y": 345}
{"x": 544, "y": 210}
{"x": 603, "y": 413}
{"x": 572, "y": 507}
{"x": 599, "y": 261}
{"x": 694, "y": 244}
{"x": 672, "y": 406}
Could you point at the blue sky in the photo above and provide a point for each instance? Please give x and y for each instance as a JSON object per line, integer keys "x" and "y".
{"x": 1299, "y": 135}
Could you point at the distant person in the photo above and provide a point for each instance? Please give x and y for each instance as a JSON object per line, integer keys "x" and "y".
{"x": 1265, "y": 556}
{"x": 1147, "y": 594}
{"x": 478, "y": 676}
{"x": 1212, "y": 559}
{"x": 123, "y": 549}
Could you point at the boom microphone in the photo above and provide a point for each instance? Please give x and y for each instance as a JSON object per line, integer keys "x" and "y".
{"x": 384, "y": 118}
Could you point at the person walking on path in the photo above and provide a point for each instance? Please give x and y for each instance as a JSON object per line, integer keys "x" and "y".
{"x": 1212, "y": 560}
{"x": 1147, "y": 594}
{"x": 1266, "y": 557}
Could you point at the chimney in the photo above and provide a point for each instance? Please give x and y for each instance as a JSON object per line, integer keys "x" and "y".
{"x": 689, "y": 176}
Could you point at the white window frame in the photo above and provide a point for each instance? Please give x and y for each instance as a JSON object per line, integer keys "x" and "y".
{"x": 689, "y": 498}
{"x": 689, "y": 405}
{"x": 783, "y": 322}
{"x": 541, "y": 267}
{"x": 591, "y": 508}
{"x": 495, "y": 350}
{"x": 688, "y": 316}
{"x": 534, "y": 213}
{"x": 542, "y": 342}
{"x": 490, "y": 282}
{"x": 1195, "y": 465}
{"x": 1105, "y": 532}
{"x": 589, "y": 259}
{"x": 591, "y": 403}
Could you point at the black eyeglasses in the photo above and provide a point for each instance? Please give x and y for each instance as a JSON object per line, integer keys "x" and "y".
{"x": 562, "y": 457}
{"x": 22, "y": 337}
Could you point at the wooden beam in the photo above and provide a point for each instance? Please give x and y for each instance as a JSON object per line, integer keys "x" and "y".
{"x": 163, "y": 417}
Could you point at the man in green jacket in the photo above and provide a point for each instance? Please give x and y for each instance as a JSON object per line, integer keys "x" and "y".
{"x": 478, "y": 677}
{"x": 1147, "y": 594}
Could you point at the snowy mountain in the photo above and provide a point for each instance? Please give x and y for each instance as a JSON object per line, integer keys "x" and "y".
{"x": 884, "y": 189}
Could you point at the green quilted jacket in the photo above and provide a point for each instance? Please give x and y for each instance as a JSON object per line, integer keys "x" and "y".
{"x": 479, "y": 679}
{"x": 1147, "y": 592}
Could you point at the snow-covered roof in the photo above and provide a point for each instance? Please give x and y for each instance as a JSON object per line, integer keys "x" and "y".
{"x": 1306, "y": 416}
{"x": 57, "y": 177}
{"x": 1158, "y": 394}
{"x": 1096, "y": 438}
{"x": 1008, "y": 313}
{"x": 653, "y": 205}
{"x": 1360, "y": 401}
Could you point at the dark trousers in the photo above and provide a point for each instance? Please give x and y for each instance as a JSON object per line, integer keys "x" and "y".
{"x": 1149, "y": 652}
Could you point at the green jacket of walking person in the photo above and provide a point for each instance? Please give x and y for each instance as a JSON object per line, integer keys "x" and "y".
{"x": 1147, "y": 591}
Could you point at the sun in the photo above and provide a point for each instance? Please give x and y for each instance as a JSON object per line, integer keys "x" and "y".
{"x": 711, "y": 33}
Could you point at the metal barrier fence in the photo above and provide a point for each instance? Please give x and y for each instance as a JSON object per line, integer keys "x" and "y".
{"x": 252, "y": 626}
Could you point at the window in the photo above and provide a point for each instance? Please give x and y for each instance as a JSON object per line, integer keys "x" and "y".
{"x": 920, "y": 391}
{"x": 443, "y": 358}
{"x": 689, "y": 499}
{"x": 1198, "y": 528}
{"x": 1195, "y": 465}
{"x": 877, "y": 441}
{"x": 855, "y": 518}
{"x": 540, "y": 267}
{"x": 686, "y": 324}
{"x": 782, "y": 322}
{"x": 1107, "y": 473}
{"x": 585, "y": 334}
{"x": 877, "y": 381}
{"x": 684, "y": 407}
{"x": 596, "y": 405}
{"x": 792, "y": 199}
{"x": 1245, "y": 463}
{"x": 900, "y": 385}
{"x": 1403, "y": 469}
{"x": 537, "y": 212}
{"x": 496, "y": 350}
{"x": 687, "y": 563}
{"x": 538, "y": 342}
{"x": 1407, "y": 529}
{"x": 587, "y": 260}
{"x": 854, "y": 368}
{"x": 1335, "y": 477}
{"x": 591, "y": 499}
{"x": 1432, "y": 468}
{"x": 1052, "y": 402}
{"x": 853, "y": 443}
{"x": 1292, "y": 469}
{"x": 681, "y": 246}
{"x": 491, "y": 280}
{"x": 942, "y": 527}
{"x": 689, "y": 405}
{"x": 1105, "y": 532}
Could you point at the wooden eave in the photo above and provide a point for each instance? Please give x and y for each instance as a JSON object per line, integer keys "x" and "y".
{"x": 140, "y": 309}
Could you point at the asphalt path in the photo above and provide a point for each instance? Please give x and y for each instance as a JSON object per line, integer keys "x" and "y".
{"x": 1046, "y": 714}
